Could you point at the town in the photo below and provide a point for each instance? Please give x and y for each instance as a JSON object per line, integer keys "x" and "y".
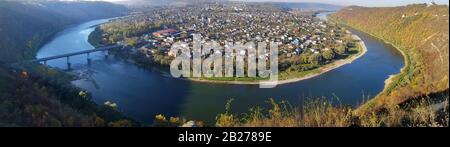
{"x": 305, "y": 41}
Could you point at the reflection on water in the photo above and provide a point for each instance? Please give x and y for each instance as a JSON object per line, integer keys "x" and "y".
{"x": 142, "y": 94}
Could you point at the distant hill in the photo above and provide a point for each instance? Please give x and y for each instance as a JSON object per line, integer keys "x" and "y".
{"x": 309, "y": 6}
{"x": 146, "y": 3}
{"x": 421, "y": 32}
{"x": 25, "y": 25}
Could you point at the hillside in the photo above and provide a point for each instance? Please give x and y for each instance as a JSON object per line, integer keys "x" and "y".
{"x": 30, "y": 99}
{"x": 25, "y": 25}
{"x": 35, "y": 95}
{"x": 420, "y": 32}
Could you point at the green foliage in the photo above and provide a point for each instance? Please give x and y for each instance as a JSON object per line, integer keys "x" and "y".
{"x": 131, "y": 41}
{"x": 341, "y": 50}
{"x": 122, "y": 30}
{"x": 316, "y": 59}
{"x": 329, "y": 55}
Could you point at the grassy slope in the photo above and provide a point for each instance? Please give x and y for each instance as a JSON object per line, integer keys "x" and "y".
{"x": 322, "y": 113}
{"x": 420, "y": 32}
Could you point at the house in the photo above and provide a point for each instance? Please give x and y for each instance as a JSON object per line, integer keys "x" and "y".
{"x": 169, "y": 39}
{"x": 315, "y": 51}
{"x": 296, "y": 42}
{"x": 172, "y": 53}
{"x": 165, "y": 33}
{"x": 242, "y": 52}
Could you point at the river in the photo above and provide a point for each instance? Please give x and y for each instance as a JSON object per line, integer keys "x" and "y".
{"x": 142, "y": 94}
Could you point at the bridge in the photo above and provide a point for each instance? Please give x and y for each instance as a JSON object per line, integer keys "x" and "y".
{"x": 87, "y": 52}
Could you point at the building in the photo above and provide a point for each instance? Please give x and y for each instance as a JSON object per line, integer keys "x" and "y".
{"x": 165, "y": 33}
{"x": 172, "y": 53}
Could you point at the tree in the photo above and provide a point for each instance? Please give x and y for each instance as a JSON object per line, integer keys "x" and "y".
{"x": 351, "y": 45}
{"x": 329, "y": 55}
{"x": 99, "y": 122}
{"x": 112, "y": 39}
{"x": 341, "y": 50}
{"x": 304, "y": 59}
{"x": 120, "y": 123}
{"x": 315, "y": 59}
{"x": 131, "y": 41}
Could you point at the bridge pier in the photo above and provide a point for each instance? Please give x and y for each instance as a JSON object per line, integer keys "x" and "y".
{"x": 88, "y": 59}
{"x": 68, "y": 63}
{"x": 106, "y": 55}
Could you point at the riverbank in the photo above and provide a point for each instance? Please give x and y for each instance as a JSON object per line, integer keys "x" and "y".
{"x": 406, "y": 58}
{"x": 404, "y": 70}
{"x": 388, "y": 83}
{"x": 369, "y": 105}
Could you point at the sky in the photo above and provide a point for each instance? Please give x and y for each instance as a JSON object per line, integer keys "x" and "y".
{"x": 370, "y": 3}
